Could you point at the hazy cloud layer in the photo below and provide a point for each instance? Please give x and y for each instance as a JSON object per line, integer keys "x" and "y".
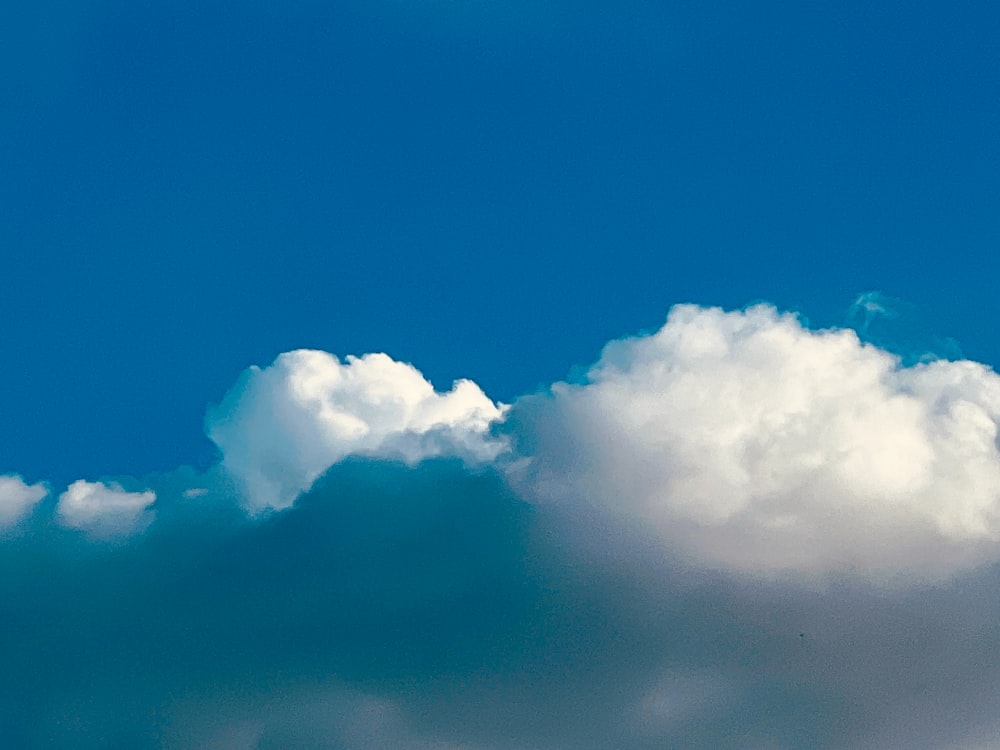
{"x": 753, "y": 444}
{"x": 281, "y": 427}
{"x": 17, "y": 498}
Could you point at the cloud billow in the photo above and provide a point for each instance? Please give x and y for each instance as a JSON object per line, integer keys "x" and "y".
{"x": 753, "y": 444}
{"x": 281, "y": 427}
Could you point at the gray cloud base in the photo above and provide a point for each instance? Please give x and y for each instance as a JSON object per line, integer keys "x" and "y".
{"x": 430, "y": 607}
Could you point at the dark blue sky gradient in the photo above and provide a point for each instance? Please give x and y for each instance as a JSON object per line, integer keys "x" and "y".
{"x": 489, "y": 190}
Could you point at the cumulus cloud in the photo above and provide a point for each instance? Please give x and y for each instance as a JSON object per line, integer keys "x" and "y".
{"x": 281, "y": 427}
{"x": 423, "y": 603}
{"x": 750, "y": 443}
{"x": 104, "y": 510}
{"x": 17, "y": 498}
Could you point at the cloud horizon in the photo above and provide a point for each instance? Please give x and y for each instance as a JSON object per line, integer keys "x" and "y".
{"x": 732, "y": 532}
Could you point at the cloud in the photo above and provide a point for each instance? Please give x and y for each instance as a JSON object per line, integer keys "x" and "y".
{"x": 430, "y": 607}
{"x": 104, "y": 510}
{"x": 571, "y": 572}
{"x": 749, "y": 443}
{"x": 281, "y": 427}
{"x": 869, "y": 306}
{"x": 17, "y": 499}
{"x": 740, "y": 441}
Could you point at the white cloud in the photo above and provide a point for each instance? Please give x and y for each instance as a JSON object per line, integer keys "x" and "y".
{"x": 281, "y": 427}
{"x": 751, "y": 443}
{"x": 104, "y": 510}
{"x": 17, "y": 498}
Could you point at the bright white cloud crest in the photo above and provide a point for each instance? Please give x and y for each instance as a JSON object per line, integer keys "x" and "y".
{"x": 752, "y": 443}
{"x": 104, "y": 510}
{"x": 17, "y": 498}
{"x": 281, "y": 427}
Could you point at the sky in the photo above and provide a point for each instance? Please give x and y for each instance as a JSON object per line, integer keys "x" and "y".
{"x": 499, "y": 375}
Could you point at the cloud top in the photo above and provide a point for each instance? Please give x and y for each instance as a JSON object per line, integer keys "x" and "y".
{"x": 17, "y": 498}
{"x": 279, "y": 428}
{"x": 751, "y": 443}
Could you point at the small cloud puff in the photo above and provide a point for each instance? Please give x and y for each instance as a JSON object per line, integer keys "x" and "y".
{"x": 281, "y": 427}
{"x": 104, "y": 510}
{"x": 17, "y": 498}
{"x": 750, "y": 443}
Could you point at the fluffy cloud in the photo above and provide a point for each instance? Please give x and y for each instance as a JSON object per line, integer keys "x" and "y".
{"x": 281, "y": 427}
{"x": 420, "y": 604}
{"x": 104, "y": 510}
{"x": 17, "y": 499}
{"x": 750, "y": 443}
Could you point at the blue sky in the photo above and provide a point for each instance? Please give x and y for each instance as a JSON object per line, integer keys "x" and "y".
{"x": 495, "y": 191}
{"x": 490, "y": 190}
